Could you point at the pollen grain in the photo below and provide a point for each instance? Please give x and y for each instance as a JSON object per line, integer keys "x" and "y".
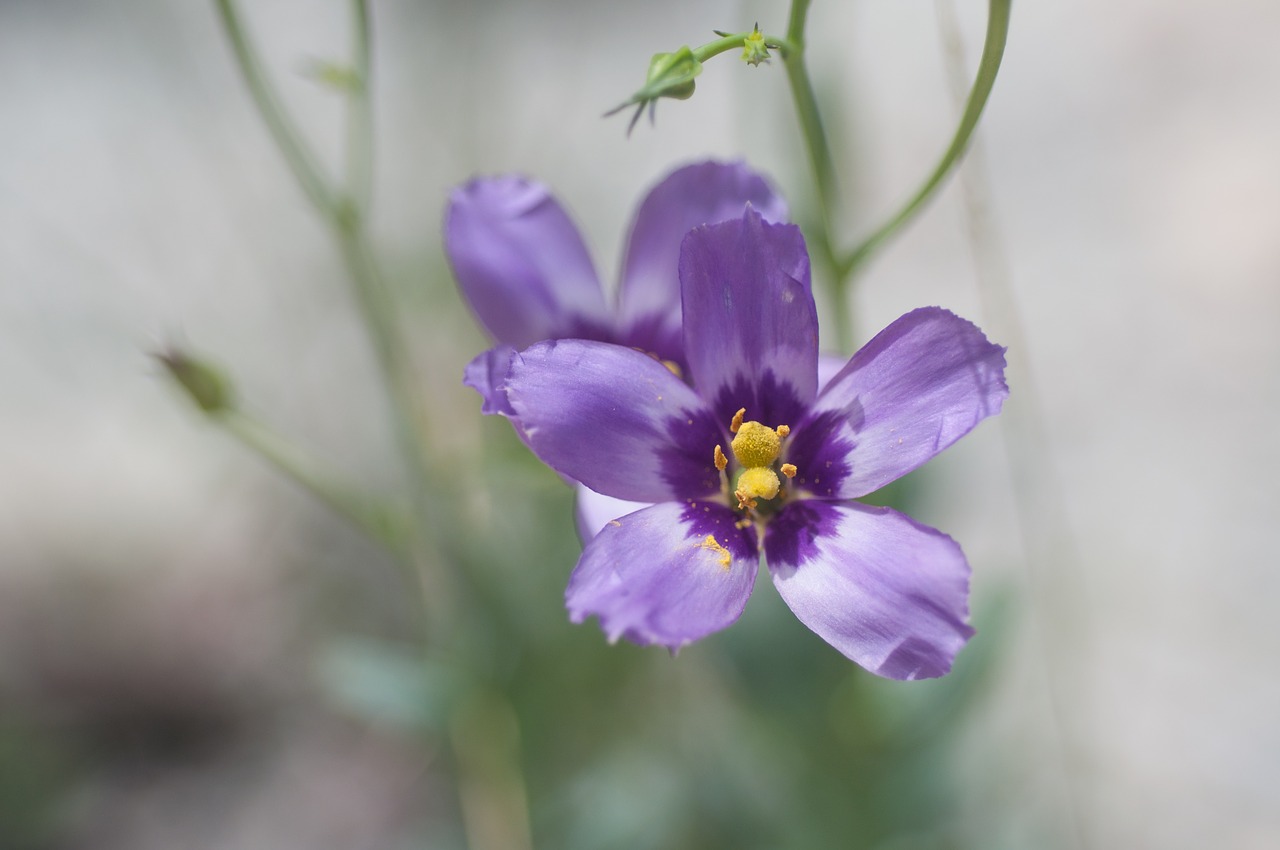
{"x": 710, "y": 543}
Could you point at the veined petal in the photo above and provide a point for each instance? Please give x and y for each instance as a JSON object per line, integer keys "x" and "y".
{"x": 614, "y": 419}
{"x": 487, "y": 375}
{"x": 521, "y": 263}
{"x": 750, "y": 326}
{"x": 921, "y": 384}
{"x": 668, "y": 574}
{"x": 592, "y": 511}
{"x": 704, "y": 193}
{"x": 889, "y": 593}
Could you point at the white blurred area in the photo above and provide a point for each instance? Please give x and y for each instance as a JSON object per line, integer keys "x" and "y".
{"x": 1131, "y": 160}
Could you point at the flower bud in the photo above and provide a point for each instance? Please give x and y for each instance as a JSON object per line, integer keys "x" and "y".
{"x": 204, "y": 383}
{"x": 754, "y": 48}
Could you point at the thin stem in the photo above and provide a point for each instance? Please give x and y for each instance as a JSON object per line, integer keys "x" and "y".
{"x": 360, "y": 113}
{"x": 301, "y": 160}
{"x": 820, "y": 161}
{"x": 346, "y": 219}
{"x": 988, "y": 68}
{"x": 378, "y": 523}
{"x": 425, "y": 539}
{"x": 731, "y": 41}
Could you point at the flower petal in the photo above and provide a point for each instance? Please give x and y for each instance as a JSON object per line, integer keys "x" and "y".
{"x": 889, "y": 593}
{"x": 592, "y": 511}
{"x": 829, "y": 365}
{"x": 521, "y": 264}
{"x": 921, "y": 384}
{"x": 487, "y": 375}
{"x": 614, "y": 419}
{"x": 668, "y": 574}
{"x": 703, "y": 193}
{"x": 750, "y": 326}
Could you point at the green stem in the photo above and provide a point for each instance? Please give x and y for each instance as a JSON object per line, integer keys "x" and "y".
{"x": 360, "y": 114}
{"x": 299, "y": 157}
{"x": 346, "y": 218}
{"x": 820, "y": 161}
{"x": 988, "y": 68}
{"x": 378, "y": 523}
{"x": 735, "y": 40}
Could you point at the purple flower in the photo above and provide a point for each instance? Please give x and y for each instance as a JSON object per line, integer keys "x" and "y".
{"x": 526, "y": 273}
{"x": 749, "y": 458}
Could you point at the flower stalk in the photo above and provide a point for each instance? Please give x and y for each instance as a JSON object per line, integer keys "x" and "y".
{"x": 344, "y": 210}
{"x": 844, "y": 266}
{"x": 210, "y": 391}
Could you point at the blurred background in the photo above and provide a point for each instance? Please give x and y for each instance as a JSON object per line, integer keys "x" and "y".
{"x": 195, "y": 652}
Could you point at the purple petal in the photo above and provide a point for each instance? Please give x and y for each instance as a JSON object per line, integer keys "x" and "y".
{"x": 593, "y": 511}
{"x": 487, "y": 375}
{"x": 704, "y": 193}
{"x": 669, "y": 574}
{"x": 750, "y": 326}
{"x": 614, "y": 419}
{"x": 829, "y": 365}
{"x": 521, "y": 264}
{"x": 889, "y": 593}
{"x": 922, "y": 383}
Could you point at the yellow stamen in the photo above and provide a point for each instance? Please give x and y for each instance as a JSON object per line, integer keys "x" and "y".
{"x": 758, "y": 482}
{"x": 737, "y": 420}
{"x": 710, "y": 542}
{"x": 721, "y": 460}
{"x": 783, "y": 430}
{"x": 789, "y": 470}
{"x": 756, "y": 444}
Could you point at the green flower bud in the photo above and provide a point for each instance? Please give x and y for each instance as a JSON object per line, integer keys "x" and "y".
{"x": 204, "y": 383}
{"x": 670, "y": 75}
{"x": 754, "y": 48}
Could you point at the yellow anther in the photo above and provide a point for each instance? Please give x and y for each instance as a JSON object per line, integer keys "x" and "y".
{"x": 721, "y": 460}
{"x": 789, "y": 470}
{"x": 737, "y": 420}
{"x": 710, "y": 542}
{"x": 674, "y": 368}
{"x": 783, "y": 430}
{"x": 756, "y": 444}
{"x": 758, "y": 482}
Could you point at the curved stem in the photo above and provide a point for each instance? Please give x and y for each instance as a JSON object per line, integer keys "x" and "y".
{"x": 345, "y": 215}
{"x": 988, "y": 68}
{"x": 301, "y": 160}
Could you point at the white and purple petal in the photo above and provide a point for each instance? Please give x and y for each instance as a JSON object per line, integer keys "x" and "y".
{"x": 614, "y": 419}
{"x": 521, "y": 264}
{"x": 592, "y": 511}
{"x": 888, "y": 592}
{"x": 750, "y": 325}
{"x": 702, "y": 193}
{"x": 668, "y": 574}
{"x": 921, "y": 384}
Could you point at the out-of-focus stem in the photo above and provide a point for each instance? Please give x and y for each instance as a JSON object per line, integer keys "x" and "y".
{"x": 345, "y": 215}
{"x": 378, "y": 522}
{"x": 485, "y": 735}
{"x": 300, "y": 158}
{"x": 360, "y": 114}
